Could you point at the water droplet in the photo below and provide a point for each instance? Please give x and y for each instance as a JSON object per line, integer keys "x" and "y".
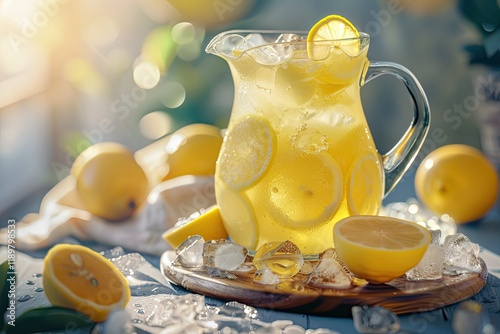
{"x": 24, "y": 298}
{"x": 38, "y": 289}
{"x": 28, "y": 282}
{"x": 77, "y": 259}
{"x": 140, "y": 311}
{"x": 37, "y": 275}
{"x": 137, "y": 305}
{"x": 136, "y": 321}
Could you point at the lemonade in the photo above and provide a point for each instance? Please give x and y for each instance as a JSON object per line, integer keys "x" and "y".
{"x": 291, "y": 164}
{"x": 298, "y": 155}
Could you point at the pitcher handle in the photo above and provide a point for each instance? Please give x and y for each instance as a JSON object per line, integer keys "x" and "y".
{"x": 397, "y": 161}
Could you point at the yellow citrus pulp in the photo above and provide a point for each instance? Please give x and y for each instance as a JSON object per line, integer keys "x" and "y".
{"x": 458, "y": 180}
{"x": 208, "y": 225}
{"x": 77, "y": 277}
{"x": 193, "y": 150}
{"x": 109, "y": 181}
{"x": 379, "y": 249}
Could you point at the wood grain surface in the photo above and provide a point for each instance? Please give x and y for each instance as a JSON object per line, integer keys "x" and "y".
{"x": 294, "y": 295}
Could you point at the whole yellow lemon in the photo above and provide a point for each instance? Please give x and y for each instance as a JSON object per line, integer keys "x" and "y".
{"x": 109, "y": 181}
{"x": 193, "y": 150}
{"x": 458, "y": 180}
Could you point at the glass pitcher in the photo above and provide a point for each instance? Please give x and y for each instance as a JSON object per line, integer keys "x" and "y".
{"x": 298, "y": 155}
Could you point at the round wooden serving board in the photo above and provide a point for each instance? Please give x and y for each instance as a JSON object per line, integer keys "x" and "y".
{"x": 294, "y": 295}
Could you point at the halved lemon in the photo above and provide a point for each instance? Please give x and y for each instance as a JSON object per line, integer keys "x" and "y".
{"x": 77, "y": 277}
{"x": 305, "y": 189}
{"x": 365, "y": 186}
{"x": 238, "y": 217}
{"x": 379, "y": 249}
{"x": 246, "y": 153}
{"x": 208, "y": 225}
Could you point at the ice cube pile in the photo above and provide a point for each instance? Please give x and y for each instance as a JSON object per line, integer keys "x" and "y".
{"x": 449, "y": 253}
{"x": 183, "y": 314}
{"x": 264, "y": 51}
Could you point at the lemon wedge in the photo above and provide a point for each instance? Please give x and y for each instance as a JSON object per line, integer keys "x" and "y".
{"x": 379, "y": 249}
{"x": 208, "y": 225}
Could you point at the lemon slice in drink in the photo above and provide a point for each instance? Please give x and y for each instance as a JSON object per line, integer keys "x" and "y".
{"x": 238, "y": 218}
{"x": 335, "y": 41}
{"x": 305, "y": 189}
{"x": 247, "y": 152}
{"x": 365, "y": 186}
{"x": 379, "y": 249}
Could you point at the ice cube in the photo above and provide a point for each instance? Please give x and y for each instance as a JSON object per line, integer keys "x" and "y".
{"x": 460, "y": 255}
{"x": 307, "y": 268}
{"x": 223, "y": 254}
{"x": 435, "y": 237}
{"x": 374, "y": 320}
{"x": 238, "y": 310}
{"x": 430, "y": 266}
{"x": 177, "y": 309}
{"x": 412, "y": 210}
{"x": 330, "y": 273}
{"x": 233, "y": 45}
{"x": 265, "y": 52}
{"x": 129, "y": 263}
{"x": 113, "y": 253}
{"x": 190, "y": 252}
{"x": 285, "y": 38}
{"x": 283, "y": 258}
{"x": 216, "y": 272}
{"x": 266, "y": 276}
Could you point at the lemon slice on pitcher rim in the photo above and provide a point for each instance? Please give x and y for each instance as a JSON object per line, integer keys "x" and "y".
{"x": 248, "y": 149}
{"x": 379, "y": 249}
{"x": 333, "y": 30}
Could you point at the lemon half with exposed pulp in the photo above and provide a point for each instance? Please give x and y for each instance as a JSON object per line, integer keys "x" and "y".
{"x": 77, "y": 277}
{"x": 379, "y": 249}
